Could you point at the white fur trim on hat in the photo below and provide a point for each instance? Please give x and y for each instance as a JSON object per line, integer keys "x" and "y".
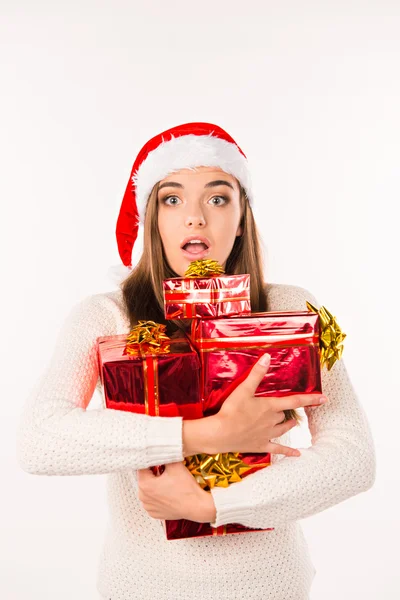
{"x": 118, "y": 273}
{"x": 185, "y": 152}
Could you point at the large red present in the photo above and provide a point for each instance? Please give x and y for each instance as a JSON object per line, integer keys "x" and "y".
{"x": 229, "y": 347}
{"x": 205, "y": 292}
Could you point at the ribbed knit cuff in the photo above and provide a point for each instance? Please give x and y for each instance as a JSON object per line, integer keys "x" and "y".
{"x": 164, "y": 442}
{"x": 233, "y": 504}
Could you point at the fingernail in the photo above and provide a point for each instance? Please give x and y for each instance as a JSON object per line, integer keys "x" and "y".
{"x": 265, "y": 360}
{"x": 323, "y": 399}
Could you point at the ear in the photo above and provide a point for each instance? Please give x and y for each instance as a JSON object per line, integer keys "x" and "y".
{"x": 239, "y": 231}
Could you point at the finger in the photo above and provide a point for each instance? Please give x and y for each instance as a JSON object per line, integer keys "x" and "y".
{"x": 297, "y": 400}
{"x": 282, "y": 428}
{"x": 172, "y": 466}
{"x": 257, "y": 373}
{"x": 280, "y": 417}
{"x": 279, "y": 449}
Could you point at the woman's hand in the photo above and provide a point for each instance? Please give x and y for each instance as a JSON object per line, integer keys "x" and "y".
{"x": 175, "y": 495}
{"x": 247, "y": 423}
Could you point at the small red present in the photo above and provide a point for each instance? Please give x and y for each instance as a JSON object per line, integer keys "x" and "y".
{"x": 205, "y": 292}
{"x": 139, "y": 372}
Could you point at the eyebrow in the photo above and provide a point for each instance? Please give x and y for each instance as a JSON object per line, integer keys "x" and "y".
{"x": 208, "y": 185}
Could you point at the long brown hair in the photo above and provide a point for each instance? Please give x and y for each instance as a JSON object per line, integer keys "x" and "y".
{"x": 143, "y": 291}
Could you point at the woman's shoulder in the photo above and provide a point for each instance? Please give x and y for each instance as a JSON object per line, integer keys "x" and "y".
{"x": 107, "y": 307}
{"x": 285, "y": 296}
{"x": 104, "y": 300}
{"x": 113, "y": 298}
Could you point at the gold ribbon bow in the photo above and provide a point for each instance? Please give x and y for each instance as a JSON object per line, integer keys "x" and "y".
{"x": 148, "y": 337}
{"x": 218, "y": 469}
{"x": 205, "y": 267}
{"x": 331, "y": 338}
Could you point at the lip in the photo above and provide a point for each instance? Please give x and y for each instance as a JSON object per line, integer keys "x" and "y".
{"x": 196, "y": 237}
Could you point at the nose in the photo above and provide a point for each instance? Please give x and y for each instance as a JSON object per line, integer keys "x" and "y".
{"x": 195, "y": 221}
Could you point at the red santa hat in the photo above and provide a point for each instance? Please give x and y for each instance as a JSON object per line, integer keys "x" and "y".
{"x": 184, "y": 146}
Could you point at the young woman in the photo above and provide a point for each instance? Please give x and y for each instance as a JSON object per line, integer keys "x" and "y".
{"x": 190, "y": 189}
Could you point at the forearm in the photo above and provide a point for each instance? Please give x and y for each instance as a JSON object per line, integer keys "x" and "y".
{"x": 340, "y": 464}
{"x": 55, "y": 439}
{"x": 201, "y": 436}
{"x": 297, "y": 487}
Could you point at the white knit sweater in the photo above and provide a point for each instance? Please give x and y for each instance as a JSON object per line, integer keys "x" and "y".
{"x": 58, "y": 436}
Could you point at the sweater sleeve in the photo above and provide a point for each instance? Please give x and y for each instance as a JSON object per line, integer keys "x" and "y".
{"x": 57, "y": 435}
{"x": 340, "y": 463}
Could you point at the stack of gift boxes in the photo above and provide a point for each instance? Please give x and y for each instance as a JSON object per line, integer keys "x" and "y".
{"x": 190, "y": 376}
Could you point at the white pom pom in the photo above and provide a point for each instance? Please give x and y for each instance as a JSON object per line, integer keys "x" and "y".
{"x": 117, "y": 273}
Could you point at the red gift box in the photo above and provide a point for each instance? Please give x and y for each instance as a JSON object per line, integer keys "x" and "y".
{"x": 203, "y": 297}
{"x": 229, "y": 347}
{"x": 165, "y": 385}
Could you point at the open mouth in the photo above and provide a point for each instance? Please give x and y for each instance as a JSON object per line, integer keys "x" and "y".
{"x": 195, "y": 249}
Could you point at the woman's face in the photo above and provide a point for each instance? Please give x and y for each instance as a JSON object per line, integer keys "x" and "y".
{"x": 203, "y": 205}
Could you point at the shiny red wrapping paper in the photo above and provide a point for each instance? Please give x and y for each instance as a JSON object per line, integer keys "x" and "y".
{"x": 164, "y": 385}
{"x": 203, "y": 297}
{"x": 229, "y": 347}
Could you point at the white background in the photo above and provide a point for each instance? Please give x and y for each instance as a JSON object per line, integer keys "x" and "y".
{"x": 310, "y": 91}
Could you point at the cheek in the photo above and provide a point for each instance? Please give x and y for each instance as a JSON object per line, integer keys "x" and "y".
{"x": 225, "y": 226}
{"x": 164, "y": 227}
